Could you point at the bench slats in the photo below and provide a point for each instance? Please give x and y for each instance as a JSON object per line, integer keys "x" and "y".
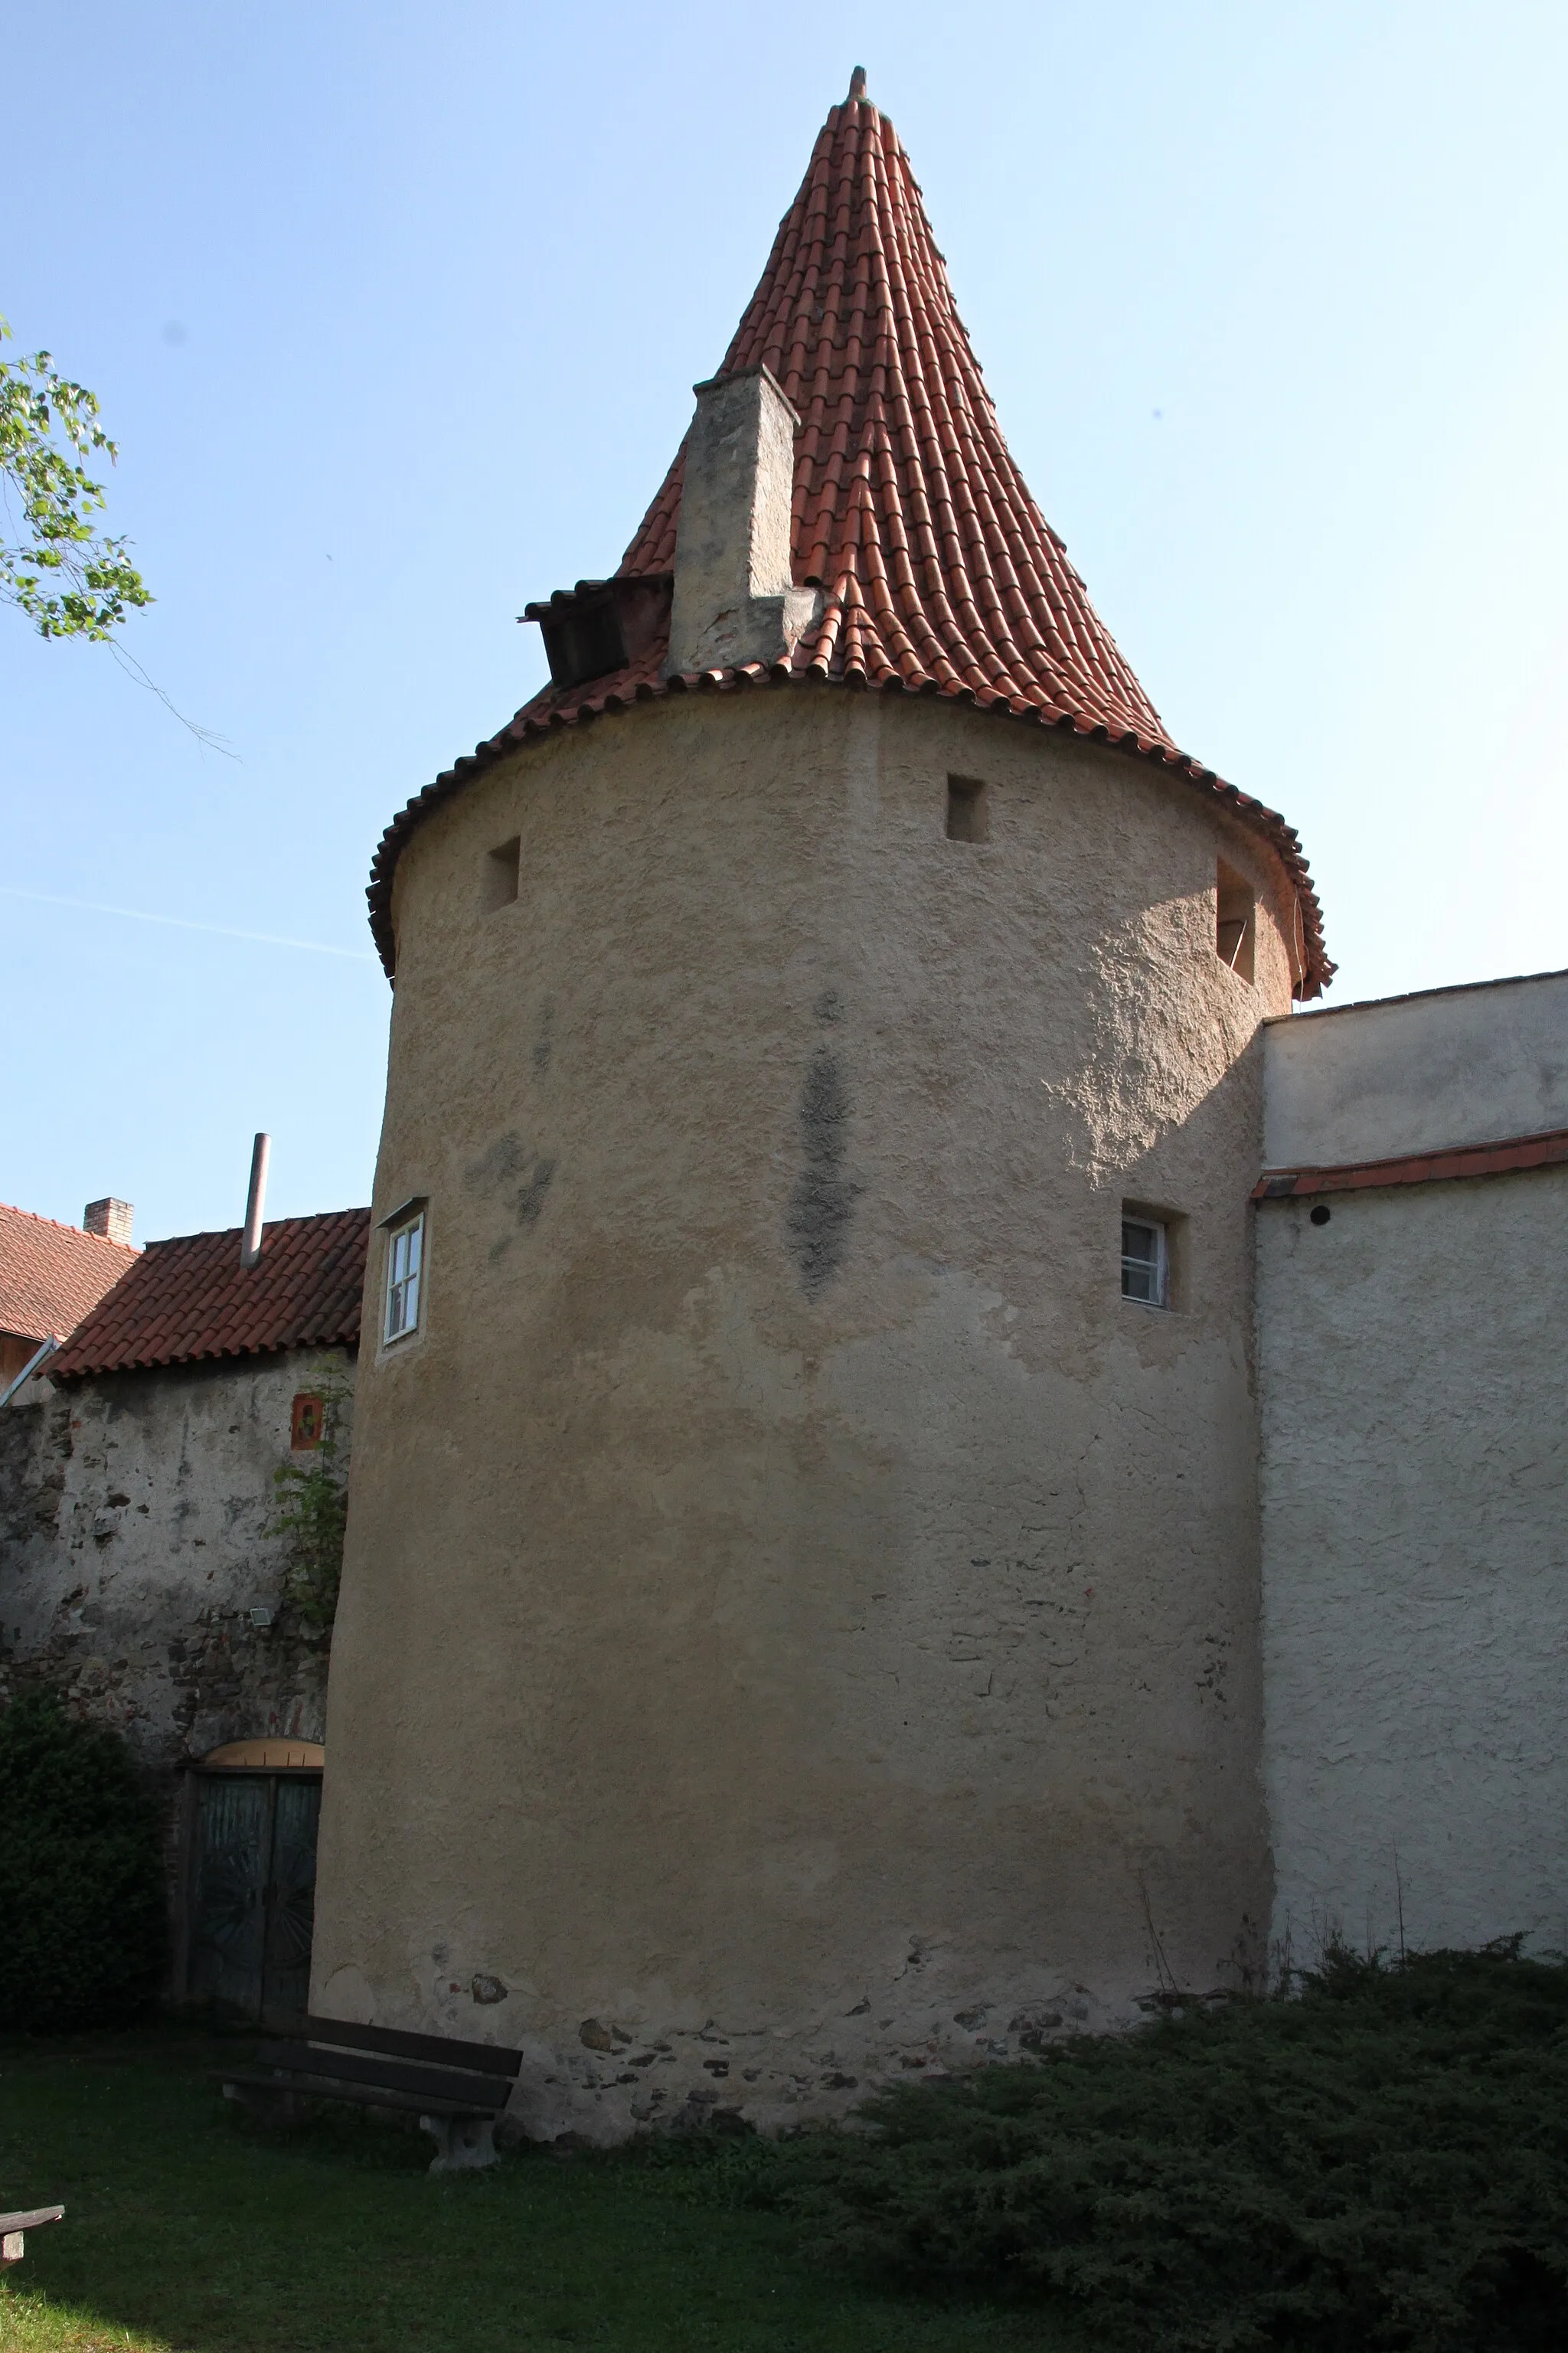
{"x": 364, "y": 2096}
{"x": 413, "y": 2076}
{"x": 481, "y": 2093}
{"x": 486, "y": 2058}
{"x": 35, "y": 2217}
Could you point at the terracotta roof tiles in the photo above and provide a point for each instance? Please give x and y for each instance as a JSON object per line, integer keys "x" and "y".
{"x": 1506, "y": 1157}
{"x": 190, "y": 1298}
{"x": 53, "y": 1275}
{"x": 938, "y": 572}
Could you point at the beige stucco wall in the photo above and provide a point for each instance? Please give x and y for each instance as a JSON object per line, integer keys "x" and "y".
{"x": 1416, "y": 1566}
{"x": 1417, "y": 1074}
{"x": 799, "y": 1623}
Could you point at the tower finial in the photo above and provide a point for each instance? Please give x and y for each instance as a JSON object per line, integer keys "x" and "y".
{"x": 857, "y": 85}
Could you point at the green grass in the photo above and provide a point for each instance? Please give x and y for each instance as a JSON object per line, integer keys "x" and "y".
{"x": 189, "y": 2230}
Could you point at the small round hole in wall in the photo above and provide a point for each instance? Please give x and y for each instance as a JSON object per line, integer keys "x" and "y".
{"x": 1320, "y": 1214}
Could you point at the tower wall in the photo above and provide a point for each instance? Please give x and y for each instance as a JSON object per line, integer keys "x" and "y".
{"x": 800, "y": 1622}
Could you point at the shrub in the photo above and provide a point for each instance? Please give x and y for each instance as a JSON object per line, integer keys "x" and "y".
{"x": 1380, "y": 2162}
{"x": 312, "y": 1511}
{"x": 82, "y": 1915}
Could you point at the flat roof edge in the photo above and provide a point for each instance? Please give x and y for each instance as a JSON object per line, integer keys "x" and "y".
{"x": 1410, "y": 996}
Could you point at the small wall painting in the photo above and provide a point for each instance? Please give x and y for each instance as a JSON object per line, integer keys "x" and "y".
{"x": 306, "y": 1423}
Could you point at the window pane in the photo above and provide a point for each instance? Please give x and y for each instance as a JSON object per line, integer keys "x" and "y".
{"x": 402, "y": 1280}
{"x": 1141, "y": 1263}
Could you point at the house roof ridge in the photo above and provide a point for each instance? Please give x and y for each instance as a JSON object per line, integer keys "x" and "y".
{"x": 78, "y": 1233}
{"x": 189, "y": 1300}
{"x": 268, "y": 1226}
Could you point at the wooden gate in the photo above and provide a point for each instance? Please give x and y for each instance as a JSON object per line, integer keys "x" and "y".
{"x": 251, "y": 1885}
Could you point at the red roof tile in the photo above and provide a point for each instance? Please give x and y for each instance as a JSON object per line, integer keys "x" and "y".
{"x": 1548, "y": 1149}
{"x": 52, "y": 1275}
{"x": 939, "y": 574}
{"x": 190, "y": 1298}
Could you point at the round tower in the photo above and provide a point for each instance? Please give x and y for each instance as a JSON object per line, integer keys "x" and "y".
{"x": 799, "y": 1623}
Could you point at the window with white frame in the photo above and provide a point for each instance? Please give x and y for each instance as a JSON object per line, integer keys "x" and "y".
{"x": 405, "y": 1269}
{"x": 1145, "y": 1262}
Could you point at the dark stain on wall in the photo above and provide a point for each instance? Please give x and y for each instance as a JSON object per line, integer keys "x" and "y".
{"x": 531, "y": 1195}
{"x": 822, "y": 1200}
{"x": 543, "y": 1045}
{"x": 521, "y": 1176}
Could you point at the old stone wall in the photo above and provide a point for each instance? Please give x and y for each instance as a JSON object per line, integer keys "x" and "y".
{"x": 133, "y": 1552}
{"x": 800, "y": 1622}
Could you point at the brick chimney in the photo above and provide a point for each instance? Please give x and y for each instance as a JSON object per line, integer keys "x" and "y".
{"x": 735, "y": 599}
{"x": 110, "y": 1219}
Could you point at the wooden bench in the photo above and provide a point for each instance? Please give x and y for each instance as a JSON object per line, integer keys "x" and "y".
{"x": 455, "y": 2089}
{"x": 12, "y": 2227}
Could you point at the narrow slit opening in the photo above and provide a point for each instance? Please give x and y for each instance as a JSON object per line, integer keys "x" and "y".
{"x": 1235, "y": 921}
{"x": 498, "y": 887}
{"x": 966, "y": 809}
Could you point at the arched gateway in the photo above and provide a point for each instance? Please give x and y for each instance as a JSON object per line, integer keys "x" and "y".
{"x": 800, "y": 1615}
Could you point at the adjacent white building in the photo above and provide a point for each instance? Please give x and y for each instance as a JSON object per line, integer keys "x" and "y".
{"x": 1412, "y": 1303}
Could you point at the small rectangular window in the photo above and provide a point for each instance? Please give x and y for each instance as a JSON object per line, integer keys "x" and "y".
{"x": 404, "y": 1268}
{"x": 500, "y": 874}
{"x": 1235, "y": 921}
{"x": 966, "y": 810}
{"x": 1145, "y": 1262}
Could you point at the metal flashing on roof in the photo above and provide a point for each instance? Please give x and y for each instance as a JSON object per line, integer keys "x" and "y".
{"x": 414, "y": 1202}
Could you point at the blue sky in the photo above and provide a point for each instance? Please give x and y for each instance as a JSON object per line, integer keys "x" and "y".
{"x": 395, "y": 313}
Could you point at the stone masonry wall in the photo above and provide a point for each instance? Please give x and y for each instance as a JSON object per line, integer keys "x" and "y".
{"x": 132, "y": 1552}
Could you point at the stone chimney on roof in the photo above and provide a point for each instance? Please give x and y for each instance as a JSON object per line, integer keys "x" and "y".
{"x": 111, "y": 1221}
{"x": 735, "y": 598}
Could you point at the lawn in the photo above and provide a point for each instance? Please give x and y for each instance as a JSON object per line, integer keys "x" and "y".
{"x": 189, "y": 2227}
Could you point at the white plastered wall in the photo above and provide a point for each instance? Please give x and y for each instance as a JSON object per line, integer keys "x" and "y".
{"x": 1417, "y": 1074}
{"x": 1415, "y": 1554}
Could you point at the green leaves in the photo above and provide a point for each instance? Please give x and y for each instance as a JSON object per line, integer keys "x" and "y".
{"x": 81, "y": 1874}
{"x": 1381, "y": 2162}
{"x": 313, "y": 1514}
{"x": 53, "y": 565}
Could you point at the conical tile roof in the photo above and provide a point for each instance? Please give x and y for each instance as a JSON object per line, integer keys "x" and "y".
{"x": 938, "y": 572}
{"x": 909, "y": 513}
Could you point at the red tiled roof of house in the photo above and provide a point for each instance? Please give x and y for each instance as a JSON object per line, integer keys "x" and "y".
{"x": 1507, "y": 1156}
{"x": 939, "y": 574}
{"x": 52, "y": 1275}
{"x": 190, "y": 1298}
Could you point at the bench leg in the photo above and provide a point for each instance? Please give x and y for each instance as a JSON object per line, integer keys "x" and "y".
{"x": 461, "y": 2142}
{"x": 268, "y": 2108}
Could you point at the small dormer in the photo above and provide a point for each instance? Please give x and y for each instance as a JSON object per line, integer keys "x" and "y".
{"x": 601, "y": 625}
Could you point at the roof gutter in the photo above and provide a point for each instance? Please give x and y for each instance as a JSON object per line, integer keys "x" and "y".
{"x": 34, "y": 1364}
